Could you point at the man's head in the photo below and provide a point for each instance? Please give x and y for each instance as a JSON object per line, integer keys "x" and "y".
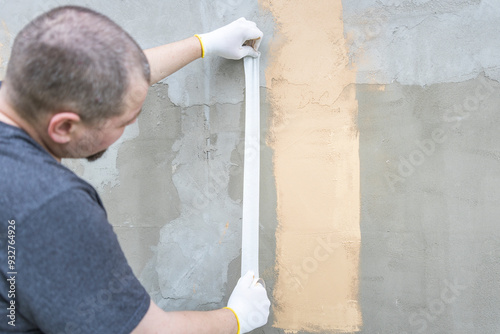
{"x": 74, "y": 62}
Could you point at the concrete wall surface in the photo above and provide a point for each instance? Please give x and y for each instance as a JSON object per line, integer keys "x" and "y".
{"x": 380, "y": 166}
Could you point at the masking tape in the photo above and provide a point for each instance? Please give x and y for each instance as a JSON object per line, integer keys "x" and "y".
{"x": 251, "y": 171}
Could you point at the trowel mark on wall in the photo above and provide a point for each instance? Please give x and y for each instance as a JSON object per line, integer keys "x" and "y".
{"x": 316, "y": 165}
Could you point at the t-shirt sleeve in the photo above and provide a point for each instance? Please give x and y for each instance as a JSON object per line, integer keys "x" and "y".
{"x": 72, "y": 275}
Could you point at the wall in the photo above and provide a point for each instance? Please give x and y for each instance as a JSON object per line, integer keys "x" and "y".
{"x": 428, "y": 97}
{"x": 379, "y": 162}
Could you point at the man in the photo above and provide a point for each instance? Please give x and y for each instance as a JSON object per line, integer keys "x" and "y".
{"x": 74, "y": 81}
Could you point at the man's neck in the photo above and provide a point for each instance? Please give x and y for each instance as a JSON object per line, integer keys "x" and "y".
{"x": 9, "y": 116}
{"x": 7, "y": 113}
{"x": 7, "y": 120}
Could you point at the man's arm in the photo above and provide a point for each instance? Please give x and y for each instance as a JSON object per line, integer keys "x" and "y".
{"x": 227, "y": 42}
{"x": 167, "y": 59}
{"x": 156, "y": 320}
{"x": 248, "y": 308}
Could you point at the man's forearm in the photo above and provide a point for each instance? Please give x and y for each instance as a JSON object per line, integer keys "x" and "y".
{"x": 227, "y": 42}
{"x": 169, "y": 58}
{"x": 157, "y": 321}
{"x": 220, "y": 321}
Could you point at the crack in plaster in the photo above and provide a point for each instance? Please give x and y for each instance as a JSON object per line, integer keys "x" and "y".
{"x": 447, "y": 45}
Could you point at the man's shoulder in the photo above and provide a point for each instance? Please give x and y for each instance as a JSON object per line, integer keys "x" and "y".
{"x": 31, "y": 177}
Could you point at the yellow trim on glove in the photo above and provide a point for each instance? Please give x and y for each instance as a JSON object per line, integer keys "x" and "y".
{"x": 202, "y": 49}
{"x": 237, "y": 320}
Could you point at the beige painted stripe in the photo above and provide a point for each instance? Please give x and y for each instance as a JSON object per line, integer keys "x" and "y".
{"x": 316, "y": 165}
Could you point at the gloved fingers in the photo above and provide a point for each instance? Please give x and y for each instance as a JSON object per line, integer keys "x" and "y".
{"x": 251, "y": 32}
{"x": 250, "y": 302}
{"x": 255, "y": 317}
{"x": 259, "y": 291}
{"x": 249, "y": 51}
{"x": 259, "y": 281}
{"x": 247, "y": 279}
{"x": 255, "y": 36}
{"x": 254, "y": 43}
{"x": 257, "y": 43}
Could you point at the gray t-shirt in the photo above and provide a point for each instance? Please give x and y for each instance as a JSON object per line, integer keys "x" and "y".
{"x": 67, "y": 272}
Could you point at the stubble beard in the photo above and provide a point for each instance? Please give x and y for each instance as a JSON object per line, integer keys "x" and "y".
{"x": 96, "y": 156}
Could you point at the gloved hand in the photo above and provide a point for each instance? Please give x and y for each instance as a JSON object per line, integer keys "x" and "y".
{"x": 250, "y": 303}
{"x": 227, "y": 42}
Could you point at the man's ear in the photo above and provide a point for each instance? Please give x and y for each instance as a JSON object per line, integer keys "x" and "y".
{"x": 62, "y": 126}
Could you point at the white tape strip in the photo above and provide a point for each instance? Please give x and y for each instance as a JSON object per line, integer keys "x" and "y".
{"x": 251, "y": 176}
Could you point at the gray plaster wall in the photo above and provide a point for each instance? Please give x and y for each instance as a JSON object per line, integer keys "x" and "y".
{"x": 429, "y": 113}
{"x": 430, "y": 255}
{"x": 429, "y": 97}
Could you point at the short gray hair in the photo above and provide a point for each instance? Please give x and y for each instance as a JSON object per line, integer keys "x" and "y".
{"x": 72, "y": 58}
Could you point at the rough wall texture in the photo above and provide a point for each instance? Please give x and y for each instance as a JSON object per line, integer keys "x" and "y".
{"x": 427, "y": 94}
{"x": 428, "y": 101}
{"x": 429, "y": 221}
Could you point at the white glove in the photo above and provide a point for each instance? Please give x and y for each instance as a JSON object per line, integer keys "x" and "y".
{"x": 249, "y": 303}
{"x": 228, "y": 41}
